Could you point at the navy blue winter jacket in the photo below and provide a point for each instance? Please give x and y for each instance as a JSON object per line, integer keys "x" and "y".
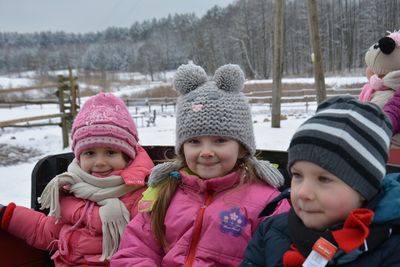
{"x": 272, "y": 238}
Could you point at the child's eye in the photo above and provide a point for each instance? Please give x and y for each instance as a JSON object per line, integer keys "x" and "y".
{"x": 193, "y": 141}
{"x": 88, "y": 153}
{"x": 221, "y": 140}
{"x": 324, "y": 179}
{"x": 296, "y": 175}
{"x": 111, "y": 152}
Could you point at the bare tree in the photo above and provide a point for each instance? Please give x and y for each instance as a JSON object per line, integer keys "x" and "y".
{"x": 278, "y": 64}
{"x": 314, "y": 39}
{"x": 241, "y": 33}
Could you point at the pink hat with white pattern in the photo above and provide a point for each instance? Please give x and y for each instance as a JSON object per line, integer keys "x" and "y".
{"x": 104, "y": 121}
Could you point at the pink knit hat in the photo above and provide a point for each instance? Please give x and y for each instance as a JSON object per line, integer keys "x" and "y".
{"x": 104, "y": 121}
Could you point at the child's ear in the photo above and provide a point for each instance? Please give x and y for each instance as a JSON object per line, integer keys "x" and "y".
{"x": 242, "y": 152}
{"x": 362, "y": 200}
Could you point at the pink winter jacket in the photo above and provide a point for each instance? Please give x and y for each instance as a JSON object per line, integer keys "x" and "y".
{"x": 221, "y": 213}
{"x": 74, "y": 246}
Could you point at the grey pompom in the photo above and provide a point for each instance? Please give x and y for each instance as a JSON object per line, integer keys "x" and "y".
{"x": 161, "y": 172}
{"x": 229, "y": 77}
{"x": 188, "y": 77}
{"x": 267, "y": 172}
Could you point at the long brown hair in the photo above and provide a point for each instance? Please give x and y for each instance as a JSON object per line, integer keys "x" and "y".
{"x": 168, "y": 187}
{"x": 166, "y": 191}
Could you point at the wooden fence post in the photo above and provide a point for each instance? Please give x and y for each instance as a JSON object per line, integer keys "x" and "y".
{"x": 68, "y": 95}
{"x": 74, "y": 94}
{"x": 61, "y": 102}
{"x": 68, "y": 100}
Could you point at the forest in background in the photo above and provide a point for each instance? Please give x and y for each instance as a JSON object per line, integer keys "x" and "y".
{"x": 241, "y": 33}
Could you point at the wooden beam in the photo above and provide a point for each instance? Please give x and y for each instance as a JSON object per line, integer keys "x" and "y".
{"x": 35, "y": 118}
{"x": 29, "y": 101}
{"x": 23, "y": 89}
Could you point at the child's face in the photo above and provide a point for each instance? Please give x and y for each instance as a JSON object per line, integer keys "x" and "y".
{"x": 211, "y": 156}
{"x": 319, "y": 198}
{"x": 102, "y": 160}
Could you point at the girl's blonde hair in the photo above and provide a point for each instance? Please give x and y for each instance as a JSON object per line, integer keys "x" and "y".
{"x": 168, "y": 187}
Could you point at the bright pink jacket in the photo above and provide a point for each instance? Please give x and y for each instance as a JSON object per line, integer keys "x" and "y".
{"x": 73, "y": 246}
{"x": 218, "y": 213}
{"x": 392, "y": 110}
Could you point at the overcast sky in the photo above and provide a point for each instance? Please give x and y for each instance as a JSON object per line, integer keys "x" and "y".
{"x": 80, "y": 16}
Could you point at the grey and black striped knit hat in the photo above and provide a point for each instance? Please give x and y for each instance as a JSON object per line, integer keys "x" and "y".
{"x": 215, "y": 107}
{"x": 347, "y": 138}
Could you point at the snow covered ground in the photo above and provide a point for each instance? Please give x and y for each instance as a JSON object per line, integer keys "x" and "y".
{"x": 15, "y": 180}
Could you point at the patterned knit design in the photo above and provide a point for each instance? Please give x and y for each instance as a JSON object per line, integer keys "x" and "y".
{"x": 104, "y": 120}
{"x": 347, "y": 138}
{"x": 212, "y": 107}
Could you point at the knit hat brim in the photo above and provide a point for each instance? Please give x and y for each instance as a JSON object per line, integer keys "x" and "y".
{"x": 104, "y": 135}
{"x": 337, "y": 163}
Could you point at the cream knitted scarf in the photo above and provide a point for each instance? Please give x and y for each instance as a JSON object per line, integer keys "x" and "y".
{"x": 104, "y": 191}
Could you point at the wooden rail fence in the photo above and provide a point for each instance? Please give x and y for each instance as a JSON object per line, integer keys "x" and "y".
{"x": 68, "y": 101}
{"x": 67, "y": 92}
{"x": 265, "y": 96}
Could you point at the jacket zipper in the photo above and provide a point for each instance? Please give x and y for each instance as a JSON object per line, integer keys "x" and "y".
{"x": 197, "y": 230}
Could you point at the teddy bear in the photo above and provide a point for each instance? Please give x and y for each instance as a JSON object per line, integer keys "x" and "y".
{"x": 383, "y": 73}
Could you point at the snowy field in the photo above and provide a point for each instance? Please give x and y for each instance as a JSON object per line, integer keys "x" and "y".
{"x": 15, "y": 180}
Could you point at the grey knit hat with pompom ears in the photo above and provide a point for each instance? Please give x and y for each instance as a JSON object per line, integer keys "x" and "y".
{"x": 212, "y": 107}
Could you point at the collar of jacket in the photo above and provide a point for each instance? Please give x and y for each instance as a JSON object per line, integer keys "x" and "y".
{"x": 214, "y": 184}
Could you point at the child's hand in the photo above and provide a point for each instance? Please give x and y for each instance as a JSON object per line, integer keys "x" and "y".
{"x": 65, "y": 189}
